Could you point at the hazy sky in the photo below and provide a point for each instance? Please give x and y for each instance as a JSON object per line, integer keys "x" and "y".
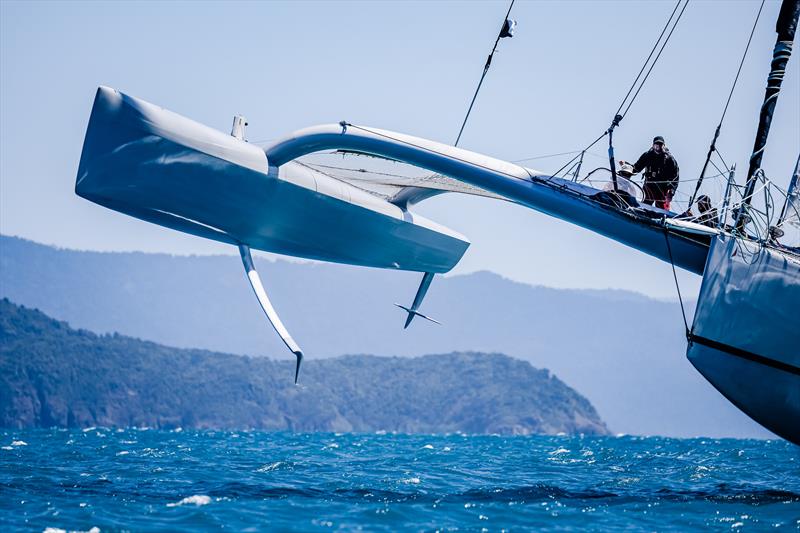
{"x": 405, "y": 66}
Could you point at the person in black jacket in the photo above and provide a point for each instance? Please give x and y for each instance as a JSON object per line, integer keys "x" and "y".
{"x": 661, "y": 174}
{"x": 708, "y": 214}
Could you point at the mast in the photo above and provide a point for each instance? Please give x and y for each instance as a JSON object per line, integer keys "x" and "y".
{"x": 785, "y": 28}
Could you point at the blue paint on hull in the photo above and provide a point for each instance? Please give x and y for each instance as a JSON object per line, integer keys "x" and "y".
{"x": 747, "y": 318}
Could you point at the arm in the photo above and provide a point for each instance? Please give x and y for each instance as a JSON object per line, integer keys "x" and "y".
{"x": 641, "y": 163}
{"x": 674, "y": 173}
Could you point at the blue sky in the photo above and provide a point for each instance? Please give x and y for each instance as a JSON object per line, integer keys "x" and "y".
{"x": 405, "y": 66}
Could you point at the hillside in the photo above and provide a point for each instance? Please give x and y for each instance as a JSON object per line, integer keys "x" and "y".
{"x": 623, "y": 351}
{"x": 53, "y": 375}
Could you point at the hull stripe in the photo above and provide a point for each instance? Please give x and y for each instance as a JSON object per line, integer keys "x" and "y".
{"x": 744, "y": 354}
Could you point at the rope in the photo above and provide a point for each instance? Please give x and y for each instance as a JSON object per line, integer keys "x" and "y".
{"x": 677, "y": 285}
{"x": 485, "y": 70}
{"x": 713, "y": 147}
{"x": 549, "y": 155}
{"x": 617, "y": 116}
{"x": 580, "y": 152}
{"x": 646, "y": 61}
{"x": 644, "y": 80}
{"x": 741, "y": 63}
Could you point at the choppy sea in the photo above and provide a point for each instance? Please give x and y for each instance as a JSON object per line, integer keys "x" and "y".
{"x": 149, "y": 480}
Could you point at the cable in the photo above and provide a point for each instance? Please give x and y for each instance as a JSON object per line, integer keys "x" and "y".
{"x": 485, "y": 70}
{"x": 741, "y": 63}
{"x": 713, "y": 147}
{"x": 617, "y": 116}
{"x": 644, "y": 80}
{"x": 545, "y": 156}
{"x": 677, "y": 285}
{"x": 579, "y": 153}
{"x": 646, "y": 61}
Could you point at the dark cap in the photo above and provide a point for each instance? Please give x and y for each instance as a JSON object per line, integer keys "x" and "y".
{"x": 658, "y": 139}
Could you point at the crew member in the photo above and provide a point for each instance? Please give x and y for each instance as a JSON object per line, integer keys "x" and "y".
{"x": 661, "y": 174}
{"x": 708, "y": 214}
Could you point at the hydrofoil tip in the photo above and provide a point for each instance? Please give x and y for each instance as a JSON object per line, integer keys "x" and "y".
{"x": 299, "y": 356}
{"x": 412, "y": 313}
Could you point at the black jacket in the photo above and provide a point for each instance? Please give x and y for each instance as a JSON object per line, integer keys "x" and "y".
{"x": 662, "y": 169}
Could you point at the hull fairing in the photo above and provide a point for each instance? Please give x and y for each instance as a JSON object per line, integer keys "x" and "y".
{"x": 158, "y": 166}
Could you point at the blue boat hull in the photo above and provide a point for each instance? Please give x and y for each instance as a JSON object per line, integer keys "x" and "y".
{"x": 163, "y": 168}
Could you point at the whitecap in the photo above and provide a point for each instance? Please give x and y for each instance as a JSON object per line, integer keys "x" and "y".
{"x": 411, "y": 481}
{"x": 270, "y": 467}
{"x": 123, "y": 452}
{"x": 427, "y": 447}
{"x": 19, "y": 443}
{"x": 87, "y": 430}
{"x": 93, "y": 529}
{"x": 446, "y": 449}
{"x": 197, "y": 499}
{"x": 559, "y": 451}
{"x": 8, "y": 447}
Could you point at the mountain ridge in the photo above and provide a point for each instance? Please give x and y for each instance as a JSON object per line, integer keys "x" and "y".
{"x": 53, "y": 375}
{"x": 625, "y": 352}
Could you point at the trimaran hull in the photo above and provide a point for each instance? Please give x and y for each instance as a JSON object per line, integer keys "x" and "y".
{"x": 155, "y": 165}
{"x": 746, "y": 332}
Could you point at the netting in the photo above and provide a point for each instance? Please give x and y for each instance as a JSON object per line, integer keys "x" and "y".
{"x": 383, "y": 177}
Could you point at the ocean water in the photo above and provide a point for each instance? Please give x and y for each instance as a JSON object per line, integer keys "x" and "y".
{"x": 148, "y": 480}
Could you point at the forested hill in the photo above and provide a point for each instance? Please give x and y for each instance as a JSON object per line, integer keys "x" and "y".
{"x": 623, "y": 351}
{"x": 53, "y": 375}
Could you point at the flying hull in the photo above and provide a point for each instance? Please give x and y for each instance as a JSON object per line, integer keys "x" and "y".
{"x": 158, "y": 166}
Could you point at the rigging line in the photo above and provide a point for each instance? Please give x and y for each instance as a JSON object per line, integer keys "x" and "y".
{"x": 653, "y": 64}
{"x": 741, "y": 63}
{"x": 721, "y": 172}
{"x": 646, "y": 61}
{"x": 677, "y": 285}
{"x": 556, "y": 155}
{"x": 713, "y": 147}
{"x": 485, "y": 70}
{"x": 617, "y": 116}
{"x": 724, "y": 163}
{"x": 579, "y": 153}
{"x": 546, "y": 156}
